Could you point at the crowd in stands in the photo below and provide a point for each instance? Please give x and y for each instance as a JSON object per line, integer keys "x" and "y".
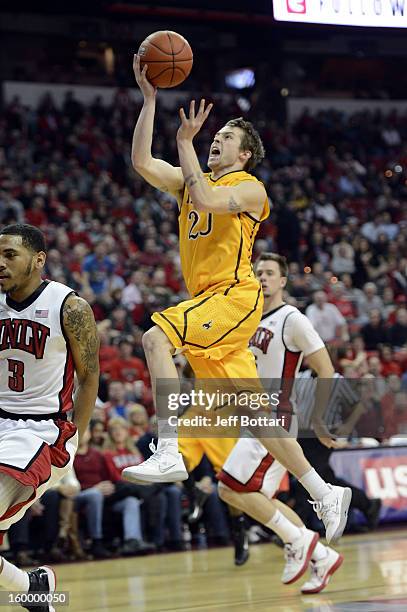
{"x": 302, "y": 74}
{"x": 338, "y": 190}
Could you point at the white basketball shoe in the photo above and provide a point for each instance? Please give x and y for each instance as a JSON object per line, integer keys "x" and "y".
{"x": 321, "y": 572}
{"x": 332, "y": 510}
{"x": 298, "y": 555}
{"x": 164, "y": 465}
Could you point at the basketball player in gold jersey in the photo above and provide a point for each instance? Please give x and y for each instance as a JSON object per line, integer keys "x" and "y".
{"x": 219, "y": 215}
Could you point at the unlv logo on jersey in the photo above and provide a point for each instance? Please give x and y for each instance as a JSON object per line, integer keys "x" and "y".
{"x": 25, "y": 335}
{"x": 261, "y": 339}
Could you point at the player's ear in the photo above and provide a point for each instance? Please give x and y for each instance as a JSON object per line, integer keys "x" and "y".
{"x": 39, "y": 260}
{"x": 245, "y": 156}
{"x": 283, "y": 282}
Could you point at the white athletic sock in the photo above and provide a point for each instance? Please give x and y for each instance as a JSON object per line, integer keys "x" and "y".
{"x": 13, "y": 578}
{"x": 169, "y": 444}
{"x": 320, "y": 552}
{"x": 284, "y": 528}
{"x": 315, "y": 485}
{"x": 167, "y": 435}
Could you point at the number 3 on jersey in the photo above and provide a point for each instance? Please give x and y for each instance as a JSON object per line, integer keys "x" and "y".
{"x": 16, "y": 381}
{"x": 195, "y": 218}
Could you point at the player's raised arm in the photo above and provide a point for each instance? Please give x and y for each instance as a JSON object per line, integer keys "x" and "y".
{"x": 246, "y": 197}
{"x": 157, "y": 172}
{"x": 80, "y": 329}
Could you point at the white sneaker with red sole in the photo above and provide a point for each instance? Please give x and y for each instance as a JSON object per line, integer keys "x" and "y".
{"x": 298, "y": 555}
{"x": 321, "y": 572}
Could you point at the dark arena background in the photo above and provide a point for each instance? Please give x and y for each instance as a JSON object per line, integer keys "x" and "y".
{"x": 325, "y": 83}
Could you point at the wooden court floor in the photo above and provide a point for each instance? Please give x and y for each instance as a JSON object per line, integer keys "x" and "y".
{"x": 373, "y": 578}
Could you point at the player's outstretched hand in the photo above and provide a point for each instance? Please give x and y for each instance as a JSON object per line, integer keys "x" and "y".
{"x": 191, "y": 125}
{"x": 148, "y": 90}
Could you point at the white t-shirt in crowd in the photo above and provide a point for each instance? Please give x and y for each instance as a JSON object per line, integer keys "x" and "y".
{"x": 325, "y": 320}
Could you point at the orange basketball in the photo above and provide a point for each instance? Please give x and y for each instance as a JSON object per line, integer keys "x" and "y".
{"x": 168, "y": 56}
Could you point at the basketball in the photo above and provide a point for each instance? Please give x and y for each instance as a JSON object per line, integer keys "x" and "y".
{"x": 168, "y": 56}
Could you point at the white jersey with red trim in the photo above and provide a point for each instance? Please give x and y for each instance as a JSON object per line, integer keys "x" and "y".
{"x": 36, "y": 365}
{"x": 283, "y": 338}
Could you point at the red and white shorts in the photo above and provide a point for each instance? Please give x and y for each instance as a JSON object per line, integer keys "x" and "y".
{"x": 34, "y": 456}
{"x": 250, "y": 468}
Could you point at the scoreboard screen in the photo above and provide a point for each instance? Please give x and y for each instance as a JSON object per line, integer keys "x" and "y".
{"x": 369, "y": 13}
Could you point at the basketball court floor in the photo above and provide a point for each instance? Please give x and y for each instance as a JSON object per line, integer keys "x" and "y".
{"x": 373, "y": 578}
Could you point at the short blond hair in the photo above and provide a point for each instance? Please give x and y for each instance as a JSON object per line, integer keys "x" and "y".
{"x": 138, "y": 409}
{"x": 121, "y": 422}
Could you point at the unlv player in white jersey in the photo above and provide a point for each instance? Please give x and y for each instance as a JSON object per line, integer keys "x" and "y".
{"x": 251, "y": 476}
{"x": 47, "y": 333}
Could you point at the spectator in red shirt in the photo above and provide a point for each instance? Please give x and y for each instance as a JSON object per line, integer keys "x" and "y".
{"x": 127, "y": 368}
{"x": 389, "y": 305}
{"x": 394, "y": 408}
{"x": 370, "y": 425}
{"x": 120, "y": 452}
{"x": 139, "y": 422}
{"x": 151, "y": 254}
{"x": 36, "y": 214}
{"x": 342, "y": 302}
{"x": 388, "y": 363}
{"x": 108, "y": 352}
{"x": 97, "y": 434}
{"x": 120, "y": 319}
{"x": 75, "y": 203}
{"x": 91, "y": 471}
{"x": 162, "y": 502}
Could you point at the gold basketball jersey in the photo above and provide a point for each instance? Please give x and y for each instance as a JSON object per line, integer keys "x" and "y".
{"x": 216, "y": 249}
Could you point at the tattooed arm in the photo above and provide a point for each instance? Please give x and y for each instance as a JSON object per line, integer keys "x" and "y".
{"x": 80, "y": 330}
{"x": 248, "y": 196}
